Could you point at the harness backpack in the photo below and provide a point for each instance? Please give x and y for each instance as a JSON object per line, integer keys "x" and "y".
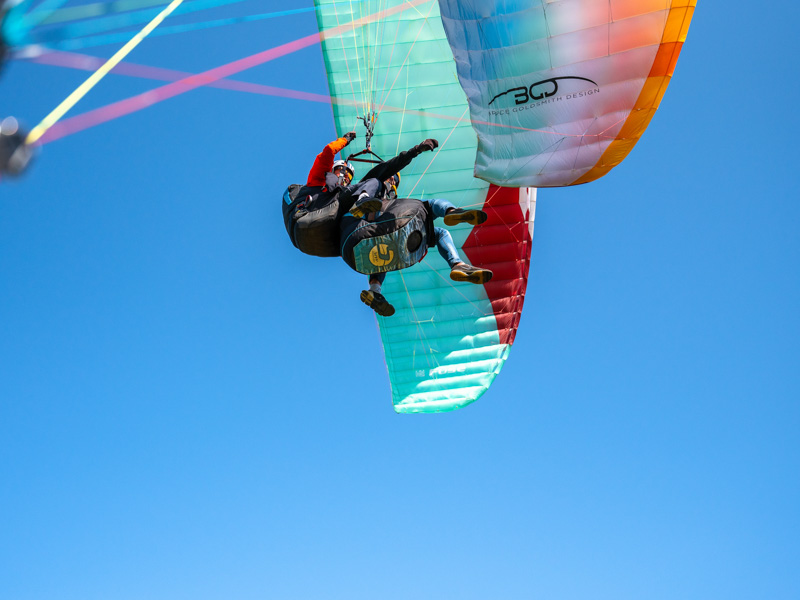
{"x": 311, "y": 218}
{"x": 396, "y": 238}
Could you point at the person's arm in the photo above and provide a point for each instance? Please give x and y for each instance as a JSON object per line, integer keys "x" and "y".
{"x": 324, "y": 161}
{"x": 383, "y": 171}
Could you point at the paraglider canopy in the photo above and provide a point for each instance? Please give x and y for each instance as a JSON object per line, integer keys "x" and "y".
{"x": 4, "y": 6}
{"x": 389, "y": 62}
{"x": 15, "y": 154}
{"x": 9, "y": 24}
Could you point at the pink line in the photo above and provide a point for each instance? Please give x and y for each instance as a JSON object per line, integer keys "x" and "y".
{"x": 85, "y": 62}
{"x": 140, "y": 101}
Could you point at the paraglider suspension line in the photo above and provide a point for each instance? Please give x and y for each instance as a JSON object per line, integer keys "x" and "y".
{"x": 369, "y": 120}
{"x": 369, "y": 124}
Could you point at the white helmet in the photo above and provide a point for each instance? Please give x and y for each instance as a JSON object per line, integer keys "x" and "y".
{"x": 345, "y": 165}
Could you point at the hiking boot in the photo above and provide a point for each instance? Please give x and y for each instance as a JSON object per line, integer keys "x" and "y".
{"x": 364, "y": 206}
{"x": 377, "y": 302}
{"x": 459, "y": 215}
{"x": 465, "y": 272}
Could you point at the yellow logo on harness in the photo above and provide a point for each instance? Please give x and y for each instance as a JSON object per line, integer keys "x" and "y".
{"x": 381, "y": 255}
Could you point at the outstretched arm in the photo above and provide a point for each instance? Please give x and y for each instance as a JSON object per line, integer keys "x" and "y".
{"x": 324, "y": 161}
{"x": 383, "y": 171}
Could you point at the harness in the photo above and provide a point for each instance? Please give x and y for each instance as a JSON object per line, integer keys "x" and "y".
{"x": 311, "y": 217}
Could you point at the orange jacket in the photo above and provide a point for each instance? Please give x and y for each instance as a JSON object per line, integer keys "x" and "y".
{"x": 324, "y": 162}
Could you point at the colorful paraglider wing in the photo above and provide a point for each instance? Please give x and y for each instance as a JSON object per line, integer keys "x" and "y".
{"x": 13, "y": 27}
{"x": 448, "y": 340}
{"x": 561, "y": 91}
{"x": 4, "y": 27}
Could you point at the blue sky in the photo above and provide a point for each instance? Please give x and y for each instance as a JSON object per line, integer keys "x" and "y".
{"x": 189, "y": 408}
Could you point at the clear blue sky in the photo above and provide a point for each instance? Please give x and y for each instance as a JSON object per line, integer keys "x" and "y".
{"x": 189, "y": 408}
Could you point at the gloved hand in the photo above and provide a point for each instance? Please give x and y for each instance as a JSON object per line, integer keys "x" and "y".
{"x": 349, "y": 136}
{"x": 429, "y": 144}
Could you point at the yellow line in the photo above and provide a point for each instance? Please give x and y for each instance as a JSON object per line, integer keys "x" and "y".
{"x": 62, "y": 109}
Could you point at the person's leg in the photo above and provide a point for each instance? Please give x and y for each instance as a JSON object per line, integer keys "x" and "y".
{"x": 376, "y": 281}
{"x": 446, "y": 247}
{"x": 373, "y": 297}
{"x": 453, "y": 215}
{"x": 361, "y": 198}
{"x": 440, "y": 206}
{"x": 459, "y": 270}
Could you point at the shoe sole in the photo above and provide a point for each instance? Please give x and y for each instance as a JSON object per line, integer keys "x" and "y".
{"x": 370, "y": 206}
{"x": 480, "y": 276}
{"x": 383, "y": 308}
{"x": 473, "y": 217}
